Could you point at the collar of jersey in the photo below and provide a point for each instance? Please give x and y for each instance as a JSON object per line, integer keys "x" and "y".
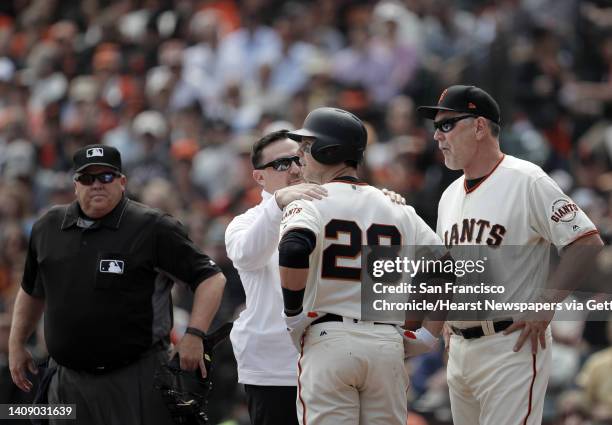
{"x": 484, "y": 178}
{"x": 348, "y": 179}
{"x": 112, "y": 219}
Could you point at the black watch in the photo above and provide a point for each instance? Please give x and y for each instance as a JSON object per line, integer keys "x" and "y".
{"x": 196, "y": 332}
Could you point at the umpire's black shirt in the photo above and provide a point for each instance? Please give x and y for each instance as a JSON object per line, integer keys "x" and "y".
{"x": 107, "y": 287}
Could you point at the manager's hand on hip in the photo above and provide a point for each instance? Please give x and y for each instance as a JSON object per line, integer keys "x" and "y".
{"x": 533, "y": 327}
{"x": 20, "y": 361}
{"x": 308, "y": 191}
{"x": 191, "y": 353}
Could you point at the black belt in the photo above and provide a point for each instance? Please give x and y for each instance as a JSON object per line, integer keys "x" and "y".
{"x": 477, "y": 331}
{"x": 103, "y": 370}
{"x": 330, "y": 317}
{"x": 111, "y": 367}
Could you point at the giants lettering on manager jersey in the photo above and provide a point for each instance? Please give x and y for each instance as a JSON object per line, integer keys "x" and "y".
{"x": 474, "y": 231}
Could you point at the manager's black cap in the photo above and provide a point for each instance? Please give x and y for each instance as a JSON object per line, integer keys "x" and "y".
{"x": 96, "y": 155}
{"x": 466, "y": 99}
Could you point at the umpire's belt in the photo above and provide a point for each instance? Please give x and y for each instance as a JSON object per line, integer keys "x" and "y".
{"x": 330, "y": 317}
{"x": 478, "y": 331}
{"x": 114, "y": 366}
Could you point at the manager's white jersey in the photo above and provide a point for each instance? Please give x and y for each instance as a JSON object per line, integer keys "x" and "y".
{"x": 353, "y": 214}
{"x": 517, "y": 205}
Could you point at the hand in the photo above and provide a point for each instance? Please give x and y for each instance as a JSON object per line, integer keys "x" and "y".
{"x": 307, "y": 191}
{"x": 533, "y": 329}
{"x": 446, "y": 334}
{"x": 418, "y": 342}
{"x": 396, "y": 198}
{"x": 296, "y": 325}
{"x": 191, "y": 353}
{"x": 20, "y": 359}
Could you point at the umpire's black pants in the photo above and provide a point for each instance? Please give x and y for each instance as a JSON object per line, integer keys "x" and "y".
{"x": 126, "y": 396}
{"x": 271, "y": 405}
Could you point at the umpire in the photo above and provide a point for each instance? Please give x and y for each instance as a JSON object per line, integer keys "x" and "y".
{"x": 101, "y": 268}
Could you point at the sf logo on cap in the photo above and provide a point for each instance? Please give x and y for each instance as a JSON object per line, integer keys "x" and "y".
{"x": 94, "y": 152}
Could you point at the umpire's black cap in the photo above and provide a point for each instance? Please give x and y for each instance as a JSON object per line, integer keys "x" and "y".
{"x": 466, "y": 99}
{"x": 96, "y": 155}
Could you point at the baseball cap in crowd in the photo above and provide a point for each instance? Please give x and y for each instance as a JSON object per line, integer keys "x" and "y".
{"x": 7, "y": 70}
{"x": 150, "y": 122}
{"x": 467, "y": 99}
{"x": 96, "y": 155}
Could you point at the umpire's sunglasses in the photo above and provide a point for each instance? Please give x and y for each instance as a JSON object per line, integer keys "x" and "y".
{"x": 445, "y": 126}
{"x": 88, "y": 179}
{"x": 281, "y": 164}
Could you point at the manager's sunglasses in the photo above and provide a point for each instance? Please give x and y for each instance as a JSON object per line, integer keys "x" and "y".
{"x": 281, "y": 164}
{"x": 446, "y": 125}
{"x": 88, "y": 179}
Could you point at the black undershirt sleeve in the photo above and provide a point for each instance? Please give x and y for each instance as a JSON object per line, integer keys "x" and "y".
{"x": 295, "y": 247}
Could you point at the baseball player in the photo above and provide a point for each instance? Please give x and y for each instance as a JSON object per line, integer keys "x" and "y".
{"x": 349, "y": 371}
{"x": 495, "y": 378}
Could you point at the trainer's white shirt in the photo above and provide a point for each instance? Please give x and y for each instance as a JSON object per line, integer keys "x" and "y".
{"x": 364, "y": 205}
{"x": 264, "y": 352}
{"x": 517, "y": 204}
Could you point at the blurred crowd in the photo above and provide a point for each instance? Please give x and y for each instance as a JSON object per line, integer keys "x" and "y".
{"x": 184, "y": 87}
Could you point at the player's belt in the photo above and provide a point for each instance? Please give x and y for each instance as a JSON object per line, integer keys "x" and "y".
{"x": 330, "y": 317}
{"x": 478, "y": 331}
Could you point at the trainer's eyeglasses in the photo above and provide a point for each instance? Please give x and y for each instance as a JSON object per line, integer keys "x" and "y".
{"x": 281, "y": 164}
{"x": 447, "y": 125}
{"x": 88, "y": 179}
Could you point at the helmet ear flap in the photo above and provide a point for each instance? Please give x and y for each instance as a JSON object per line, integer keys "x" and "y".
{"x": 326, "y": 154}
{"x": 329, "y": 154}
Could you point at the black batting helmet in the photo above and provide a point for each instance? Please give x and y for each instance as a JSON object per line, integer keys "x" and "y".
{"x": 339, "y": 135}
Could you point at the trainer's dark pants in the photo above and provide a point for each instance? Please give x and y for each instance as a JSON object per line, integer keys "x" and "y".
{"x": 122, "y": 397}
{"x": 271, "y": 405}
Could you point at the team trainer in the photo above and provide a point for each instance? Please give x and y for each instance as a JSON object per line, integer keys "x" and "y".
{"x": 266, "y": 359}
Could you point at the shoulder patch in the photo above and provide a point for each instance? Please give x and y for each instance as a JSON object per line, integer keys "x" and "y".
{"x": 563, "y": 211}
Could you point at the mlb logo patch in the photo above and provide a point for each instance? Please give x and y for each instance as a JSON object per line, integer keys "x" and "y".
{"x": 111, "y": 266}
{"x": 94, "y": 152}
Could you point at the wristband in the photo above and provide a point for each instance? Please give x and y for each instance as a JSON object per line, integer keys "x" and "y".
{"x": 196, "y": 332}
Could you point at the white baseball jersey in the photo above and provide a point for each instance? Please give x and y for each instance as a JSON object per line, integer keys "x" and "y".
{"x": 351, "y": 372}
{"x": 353, "y": 214}
{"x": 519, "y": 205}
{"x": 516, "y": 205}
